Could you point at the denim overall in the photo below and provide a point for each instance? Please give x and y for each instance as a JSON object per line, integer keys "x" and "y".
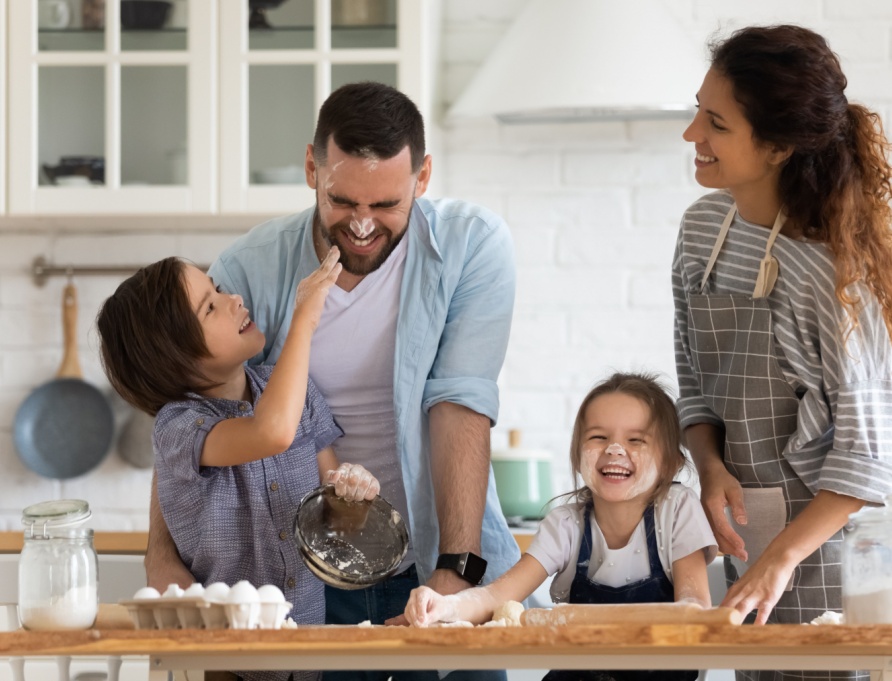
{"x": 653, "y": 589}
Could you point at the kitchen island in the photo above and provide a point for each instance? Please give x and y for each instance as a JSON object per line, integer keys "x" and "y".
{"x": 663, "y": 646}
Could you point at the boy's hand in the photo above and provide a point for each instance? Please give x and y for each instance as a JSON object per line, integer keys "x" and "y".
{"x": 354, "y": 483}
{"x": 312, "y": 291}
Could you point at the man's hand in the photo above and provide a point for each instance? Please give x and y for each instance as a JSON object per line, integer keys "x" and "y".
{"x": 162, "y": 562}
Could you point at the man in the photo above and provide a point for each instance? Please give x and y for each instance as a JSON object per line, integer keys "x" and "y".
{"x": 407, "y": 352}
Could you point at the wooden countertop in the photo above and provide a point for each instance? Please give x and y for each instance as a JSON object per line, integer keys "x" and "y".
{"x": 134, "y": 543}
{"x": 633, "y": 646}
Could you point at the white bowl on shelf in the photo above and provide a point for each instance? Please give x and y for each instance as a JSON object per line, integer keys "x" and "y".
{"x": 291, "y": 174}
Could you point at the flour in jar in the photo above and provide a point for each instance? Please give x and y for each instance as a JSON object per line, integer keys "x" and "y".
{"x": 874, "y": 607}
{"x": 75, "y": 609}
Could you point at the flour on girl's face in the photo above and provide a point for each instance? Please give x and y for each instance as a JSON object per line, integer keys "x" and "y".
{"x": 619, "y": 458}
{"x": 599, "y": 462}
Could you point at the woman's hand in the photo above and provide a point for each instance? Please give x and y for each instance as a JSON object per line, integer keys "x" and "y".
{"x": 352, "y": 482}
{"x": 719, "y": 490}
{"x": 761, "y": 587}
{"x": 312, "y": 291}
{"x": 426, "y": 607}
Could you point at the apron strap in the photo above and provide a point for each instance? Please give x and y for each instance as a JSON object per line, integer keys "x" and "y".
{"x": 720, "y": 240}
{"x": 768, "y": 268}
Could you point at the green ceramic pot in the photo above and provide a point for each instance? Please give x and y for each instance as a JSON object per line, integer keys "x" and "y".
{"x": 523, "y": 481}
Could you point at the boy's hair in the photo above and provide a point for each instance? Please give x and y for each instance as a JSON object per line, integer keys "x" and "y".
{"x": 370, "y": 120}
{"x": 151, "y": 340}
{"x": 664, "y": 420}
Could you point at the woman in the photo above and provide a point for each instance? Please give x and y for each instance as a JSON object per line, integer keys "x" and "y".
{"x": 783, "y": 293}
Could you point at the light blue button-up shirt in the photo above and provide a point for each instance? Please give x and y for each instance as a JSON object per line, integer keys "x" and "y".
{"x": 456, "y": 301}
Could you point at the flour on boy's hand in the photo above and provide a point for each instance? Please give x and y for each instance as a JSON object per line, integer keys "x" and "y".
{"x": 508, "y": 613}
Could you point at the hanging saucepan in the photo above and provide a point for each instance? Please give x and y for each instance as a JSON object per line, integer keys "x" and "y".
{"x": 64, "y": 428}
{"x": 135, "y": 440}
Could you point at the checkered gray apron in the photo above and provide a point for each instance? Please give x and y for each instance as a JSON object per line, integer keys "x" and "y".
{"x": 733, "y": 355}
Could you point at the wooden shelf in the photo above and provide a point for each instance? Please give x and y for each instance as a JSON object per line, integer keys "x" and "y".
{"x": 127, "y": 543}
{"x": 134, "y": 543}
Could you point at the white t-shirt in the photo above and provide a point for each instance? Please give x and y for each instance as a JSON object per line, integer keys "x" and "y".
{"x": 679, "y": 516}
{"x": 351, "y": 362}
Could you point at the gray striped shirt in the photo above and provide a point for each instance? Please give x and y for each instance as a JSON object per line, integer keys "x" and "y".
{"x": 843, "y": 442}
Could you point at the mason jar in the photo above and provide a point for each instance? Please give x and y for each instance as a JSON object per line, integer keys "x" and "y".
{"x": 867, "y": 567}
{"x": 58, "y": 567}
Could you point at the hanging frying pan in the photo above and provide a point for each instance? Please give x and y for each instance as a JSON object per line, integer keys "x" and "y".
{"x": 135, "y": 440}
{"x": 64, "y": 428}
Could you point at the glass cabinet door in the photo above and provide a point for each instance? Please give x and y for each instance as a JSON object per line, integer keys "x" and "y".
{"x": 281, "y": 59}
{"x": 114, "y": 104}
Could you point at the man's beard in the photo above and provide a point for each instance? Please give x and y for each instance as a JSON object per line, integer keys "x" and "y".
{"x": 357, "y": 265}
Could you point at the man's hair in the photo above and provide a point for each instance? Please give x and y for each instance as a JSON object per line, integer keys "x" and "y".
{"x": 150, "y": 339}
{"x": 371, "y": 120}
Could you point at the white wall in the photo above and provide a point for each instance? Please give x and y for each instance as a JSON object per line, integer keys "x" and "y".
{"x": 593, "y": 207}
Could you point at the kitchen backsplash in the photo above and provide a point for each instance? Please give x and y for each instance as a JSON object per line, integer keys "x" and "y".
{"x": 594, "y": 209}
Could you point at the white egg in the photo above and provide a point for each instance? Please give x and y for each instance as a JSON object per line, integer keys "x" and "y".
{"x": 195, "y": 589}
{"x": 147, "y": 592}
{"x": 243, "y": 592}
{"x": 216, "y": 592}
{"x": 270, "y": 593}
{"x": 173, "y": 590}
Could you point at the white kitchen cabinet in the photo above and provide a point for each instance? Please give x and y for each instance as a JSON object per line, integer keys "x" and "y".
{"x": 3, "y": 153}
{"x": 202, "y": 116}
{"x": 280, "y": 77}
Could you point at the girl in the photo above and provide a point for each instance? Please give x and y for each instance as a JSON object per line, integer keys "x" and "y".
{"x": 630, "y": 535}
{"x": 783, "y": 295}
{"x": 236, "y": 446}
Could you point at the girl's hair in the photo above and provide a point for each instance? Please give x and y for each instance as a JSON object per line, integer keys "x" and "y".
{"x": 150, "y": 339}
{"x": 664, "y": 421}
{"x": 837, "y": 184}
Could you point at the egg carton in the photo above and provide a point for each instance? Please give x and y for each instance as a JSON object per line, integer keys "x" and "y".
{"x": 217, "y": 607}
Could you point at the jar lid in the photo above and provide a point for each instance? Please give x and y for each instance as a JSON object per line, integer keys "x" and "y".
{"x": 58, "y": 513}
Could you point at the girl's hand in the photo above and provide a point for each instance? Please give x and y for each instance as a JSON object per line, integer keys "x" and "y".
{"x": 353, "y": 482}
{"x": 718, "y": 490}
{"x": 426, "y": 607}
{"x": 312, "y": 291}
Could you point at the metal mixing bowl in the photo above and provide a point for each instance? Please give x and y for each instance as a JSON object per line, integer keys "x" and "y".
{"x": 349, "y": 544}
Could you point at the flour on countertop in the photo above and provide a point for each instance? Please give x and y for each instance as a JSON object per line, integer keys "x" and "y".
{"x": 829, "y": 617}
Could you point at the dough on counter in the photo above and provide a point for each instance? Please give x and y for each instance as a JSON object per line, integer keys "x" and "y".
{"x": 457, "y": 623}
{"x": 509, "y": 613}
{"x": 829, "y": 617}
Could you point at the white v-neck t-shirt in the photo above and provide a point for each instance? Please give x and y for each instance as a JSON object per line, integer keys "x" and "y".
{"x": 351, "y": 362}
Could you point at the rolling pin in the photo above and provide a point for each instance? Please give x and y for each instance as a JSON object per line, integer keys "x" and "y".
{"x": 628, "y": 613}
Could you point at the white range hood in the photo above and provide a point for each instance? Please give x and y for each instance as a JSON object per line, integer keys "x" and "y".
{"x": 573, "y": 60}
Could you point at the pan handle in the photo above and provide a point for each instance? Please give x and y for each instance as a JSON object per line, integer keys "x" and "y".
{"x": 71, "y": 366}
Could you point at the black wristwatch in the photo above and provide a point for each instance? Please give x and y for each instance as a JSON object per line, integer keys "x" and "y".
{"x": 469, "y": 566}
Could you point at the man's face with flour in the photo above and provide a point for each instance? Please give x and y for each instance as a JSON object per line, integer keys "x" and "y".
{"x": 363, "y": 203}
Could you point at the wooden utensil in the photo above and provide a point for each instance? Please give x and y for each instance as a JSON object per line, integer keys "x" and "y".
{"x": 628, "y": 613}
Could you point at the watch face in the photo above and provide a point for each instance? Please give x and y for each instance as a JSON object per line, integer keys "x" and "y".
{"x": 469, "y": 566}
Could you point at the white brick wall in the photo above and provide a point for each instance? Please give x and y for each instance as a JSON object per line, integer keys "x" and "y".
{"x": 30, "y": 353}
{"x": 594, "y": 208}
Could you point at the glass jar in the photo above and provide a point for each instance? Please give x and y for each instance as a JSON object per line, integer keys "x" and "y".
{"x": 58, "y": 567}
{"x": 867, "y": 567}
